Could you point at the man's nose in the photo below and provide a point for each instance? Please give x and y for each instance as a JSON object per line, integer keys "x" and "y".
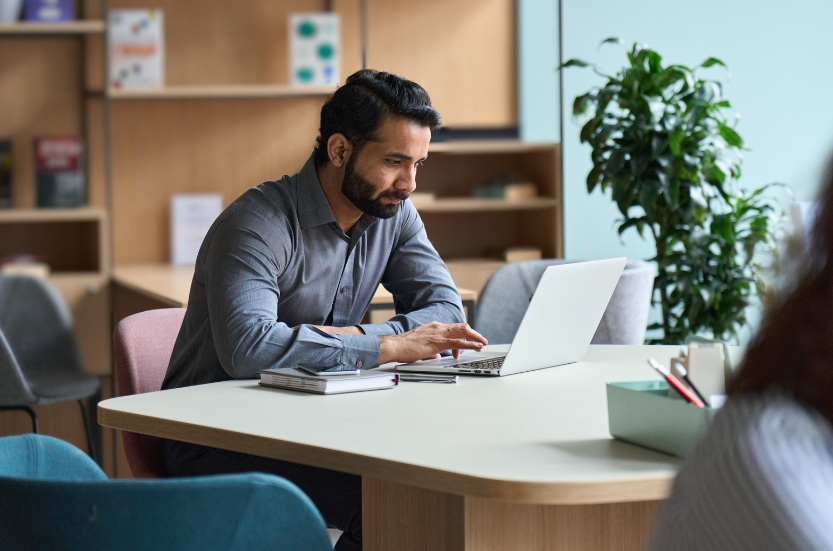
{"x": 407, "y": 181}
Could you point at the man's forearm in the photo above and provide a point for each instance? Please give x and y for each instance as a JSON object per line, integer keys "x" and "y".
{"x": 349, "y": 330}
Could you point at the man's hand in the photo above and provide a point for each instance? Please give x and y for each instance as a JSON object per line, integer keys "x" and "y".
{"x": 427, "y": 340}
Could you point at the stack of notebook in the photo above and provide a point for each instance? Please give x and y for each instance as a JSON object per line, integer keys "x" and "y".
{"x": 356, "y": 381}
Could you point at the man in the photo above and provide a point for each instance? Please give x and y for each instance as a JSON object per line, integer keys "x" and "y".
{"x": 286, "y": 273}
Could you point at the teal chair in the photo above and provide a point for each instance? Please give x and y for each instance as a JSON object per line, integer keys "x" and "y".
{"x": 53, "y": 496}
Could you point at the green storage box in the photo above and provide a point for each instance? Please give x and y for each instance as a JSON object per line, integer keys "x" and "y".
{"x": 652, "y": 414}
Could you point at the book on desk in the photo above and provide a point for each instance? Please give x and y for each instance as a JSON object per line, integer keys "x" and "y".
{"x": 294, "y": 379}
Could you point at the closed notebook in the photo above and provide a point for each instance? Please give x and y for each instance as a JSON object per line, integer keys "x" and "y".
{"x": 292, "y": 379}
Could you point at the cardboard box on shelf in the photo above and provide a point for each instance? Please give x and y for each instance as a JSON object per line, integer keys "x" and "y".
{"x": 472, "y": 273}
{"x": 518, "y": 254}
{"x": 421, "y": 198}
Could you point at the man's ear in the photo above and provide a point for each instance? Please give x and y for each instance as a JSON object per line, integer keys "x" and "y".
{"x": 339, "y": 150}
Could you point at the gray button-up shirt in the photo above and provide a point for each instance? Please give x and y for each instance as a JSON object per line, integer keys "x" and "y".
{"x": 276, "y": 259}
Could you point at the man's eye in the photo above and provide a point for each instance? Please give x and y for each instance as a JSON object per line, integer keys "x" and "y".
{"x": 419, "y": 163}
{"x": 394, "y": 162}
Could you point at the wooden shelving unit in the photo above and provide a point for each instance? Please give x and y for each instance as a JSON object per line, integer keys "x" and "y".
{"x": 194, "y": 136}
{"x": 53, "y": 29}
{"x": 242, "y": 91}
{"x": 44, "y": 72}
{"x": 471, "y": 233}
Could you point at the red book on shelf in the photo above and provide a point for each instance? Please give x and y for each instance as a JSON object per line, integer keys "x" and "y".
{"x": 60, "y": 171}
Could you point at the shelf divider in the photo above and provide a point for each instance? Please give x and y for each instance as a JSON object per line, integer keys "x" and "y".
{"x": 483, "y": 204}
{"x": 230, "y": 91}
{"x": 79, "y": 27}
{"x": 79, "y": 214}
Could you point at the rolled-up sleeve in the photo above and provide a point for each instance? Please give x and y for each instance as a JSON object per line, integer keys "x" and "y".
{"x": 242, "y": 293}
{"x": 419, "y": 281}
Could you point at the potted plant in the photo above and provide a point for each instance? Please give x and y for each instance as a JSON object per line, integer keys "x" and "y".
{"x": 664, "y": 143}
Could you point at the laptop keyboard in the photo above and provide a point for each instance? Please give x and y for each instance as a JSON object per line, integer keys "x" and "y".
{"x": 491, "y": 363}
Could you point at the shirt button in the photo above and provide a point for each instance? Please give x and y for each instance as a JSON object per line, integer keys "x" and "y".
{"x": 359, "y": 363}
{"x": 343, "y": 290}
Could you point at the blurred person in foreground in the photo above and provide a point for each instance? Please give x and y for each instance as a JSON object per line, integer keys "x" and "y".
{"x": 761, "y": 477}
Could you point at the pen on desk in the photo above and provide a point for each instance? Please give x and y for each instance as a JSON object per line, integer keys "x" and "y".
{"x": 684, "y": 374}
{"x": 673, "y": 381}
{"x": 448, "y": 378}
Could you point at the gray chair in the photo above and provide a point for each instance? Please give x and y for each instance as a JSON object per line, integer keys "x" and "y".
{"x": 39, "y": 359}
{"x": 505, "y": 297}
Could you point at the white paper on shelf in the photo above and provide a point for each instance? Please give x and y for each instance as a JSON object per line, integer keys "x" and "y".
{"x": 314, "y": 49}
{"x": 135, "y": 39}
{"x": 191, "y": 216}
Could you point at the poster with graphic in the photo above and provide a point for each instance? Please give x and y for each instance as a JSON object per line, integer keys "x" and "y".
{"x": 137, "y": 53}
{"x": 314, "y": 49}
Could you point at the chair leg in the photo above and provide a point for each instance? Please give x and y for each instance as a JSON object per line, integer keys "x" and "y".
{"x": 87, "y": 425}
{"x": 28, "y": 410}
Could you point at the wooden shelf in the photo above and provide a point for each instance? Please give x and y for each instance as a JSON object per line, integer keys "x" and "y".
{"x": 487, "y": 146}
{"x": 243, "y": 91}
{"x": 48, "y": 29}
{"x": 482, "y": 204}
{"x": 52, "y": 215}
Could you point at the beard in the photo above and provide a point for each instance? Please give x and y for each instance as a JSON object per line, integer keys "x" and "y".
{"x": 361, "y": 193}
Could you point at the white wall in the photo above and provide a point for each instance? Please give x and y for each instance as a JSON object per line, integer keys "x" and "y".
{"x": 539, "y": 104}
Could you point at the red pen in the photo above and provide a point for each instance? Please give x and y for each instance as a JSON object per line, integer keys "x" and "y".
{"x": 675, "y": 382}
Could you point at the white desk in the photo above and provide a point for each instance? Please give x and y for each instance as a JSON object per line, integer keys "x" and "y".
{"x": 520, "y": 462}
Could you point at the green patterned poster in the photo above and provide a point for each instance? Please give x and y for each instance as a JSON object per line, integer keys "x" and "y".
{"x": 314, "y": 49}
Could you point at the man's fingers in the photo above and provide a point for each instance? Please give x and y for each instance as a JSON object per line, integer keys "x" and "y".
{"x": 464, "y": 331}
{"x": 463, "y": 344}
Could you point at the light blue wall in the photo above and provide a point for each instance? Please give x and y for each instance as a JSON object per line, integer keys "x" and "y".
{"x": 538, "y": 99}
{"x": 781, "y": 59}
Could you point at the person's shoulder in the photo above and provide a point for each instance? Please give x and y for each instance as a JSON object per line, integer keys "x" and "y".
{"x": 759, "y": 432}
{"x": 270, "y": 204}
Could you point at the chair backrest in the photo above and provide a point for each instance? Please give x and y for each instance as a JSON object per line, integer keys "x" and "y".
{"x": 74, "y": 506}
{"x": 142, "y": 346}
{"x": 504, "y": 300}
{"x": 40, "y": 457}
{"x": 625, "y": 320}
{"x": 38, "y": 325}
{"x": 14, "y": 390}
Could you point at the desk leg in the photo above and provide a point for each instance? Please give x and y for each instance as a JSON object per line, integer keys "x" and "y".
{"x": 405, "y": 518}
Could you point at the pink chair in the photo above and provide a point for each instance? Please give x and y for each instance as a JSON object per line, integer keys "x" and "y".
{"x": 142, "y": 345}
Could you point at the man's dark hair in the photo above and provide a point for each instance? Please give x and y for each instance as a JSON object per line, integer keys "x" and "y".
{"x": 358, "y": 106}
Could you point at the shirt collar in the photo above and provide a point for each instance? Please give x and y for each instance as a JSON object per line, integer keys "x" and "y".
{"x": 313, "y": 207}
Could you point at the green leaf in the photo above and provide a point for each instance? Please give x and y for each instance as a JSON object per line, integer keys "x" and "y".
{"x": 732, "y": 138}
{"x": 574, "y": 63}
{"x": 611, "y": 40}
{"x": 594, "y": 178}
{"x": 675, "y": 140}
{"x": 712, "y": 61}
{"x": 654, "y": 60}
{"x": 580, "y": 104}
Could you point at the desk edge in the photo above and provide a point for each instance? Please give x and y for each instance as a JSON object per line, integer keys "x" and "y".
{"x": 550, "y": 493}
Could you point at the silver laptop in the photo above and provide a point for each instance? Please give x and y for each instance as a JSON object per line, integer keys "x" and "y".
{"x": 559, "y": 323}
